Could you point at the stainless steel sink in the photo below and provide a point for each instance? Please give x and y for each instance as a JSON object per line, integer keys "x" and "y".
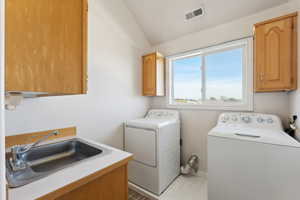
{"x": 46, "y": 159}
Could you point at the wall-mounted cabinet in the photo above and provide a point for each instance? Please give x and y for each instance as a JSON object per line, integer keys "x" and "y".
{"x": 46, "y": 47}
{"x": 276, "y": 54}
{"x": 153, "y": 75}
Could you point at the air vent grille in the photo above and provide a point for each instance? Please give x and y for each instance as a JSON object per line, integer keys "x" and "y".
{"x": 195, "y": 13}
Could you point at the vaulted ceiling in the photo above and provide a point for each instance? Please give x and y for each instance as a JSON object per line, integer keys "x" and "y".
{"x": 164, "y": 20}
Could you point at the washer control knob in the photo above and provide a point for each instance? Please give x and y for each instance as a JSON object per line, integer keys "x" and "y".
{"x": 260, "y": 120}
{"x": 157, "y": 114}
{"x": 225, "y": 118}
{"x": 234, "y": 118}
{"x": 270, "y": 120}
{"x": 246, "y": 119}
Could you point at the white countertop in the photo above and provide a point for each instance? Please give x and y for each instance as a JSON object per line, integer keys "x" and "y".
{"x": 68, "y": 175}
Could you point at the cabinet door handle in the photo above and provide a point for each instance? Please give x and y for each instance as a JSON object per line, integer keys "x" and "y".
{"x": 262, "y": 75}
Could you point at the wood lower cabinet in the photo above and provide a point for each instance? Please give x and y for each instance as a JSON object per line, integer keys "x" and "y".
{"x": 112, "y": 186}
{"x": 276, "y": 54}
{"x": 108, "y": 184}
{"x": 46, "y": 46}
{"x": 153, "y": 75}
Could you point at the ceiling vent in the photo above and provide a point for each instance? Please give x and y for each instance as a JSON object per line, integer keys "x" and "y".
{"x": 195, "y": 13}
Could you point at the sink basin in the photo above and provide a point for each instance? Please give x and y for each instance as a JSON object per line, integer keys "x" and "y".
{"x": 44, "y": 160}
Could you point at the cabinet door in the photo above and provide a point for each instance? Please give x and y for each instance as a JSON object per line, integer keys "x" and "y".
{"x": 149, "y": 75}
{"x": 112, "y": 186}
{"x": 274, "y": 55}
{"x": 45, "y": 46}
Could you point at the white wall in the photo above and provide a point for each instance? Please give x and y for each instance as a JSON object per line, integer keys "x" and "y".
{"x": 197, "y": 123}
{"x": 295, "y": 96}
{"x": 2, "y": 132}
{"x": 115, "y": 46}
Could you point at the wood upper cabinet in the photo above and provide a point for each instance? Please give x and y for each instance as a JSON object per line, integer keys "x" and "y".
{"x": 153, "y": 75}
{"x": 46, "y": 46}
{"x": 276, "y": 54}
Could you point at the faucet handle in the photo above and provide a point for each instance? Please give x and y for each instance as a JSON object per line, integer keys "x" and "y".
{"x": 15, "y": 161}
{"x": 16, "y": 148}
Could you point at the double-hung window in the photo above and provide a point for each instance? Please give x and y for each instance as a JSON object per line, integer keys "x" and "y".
{"x": 218, "y": 77}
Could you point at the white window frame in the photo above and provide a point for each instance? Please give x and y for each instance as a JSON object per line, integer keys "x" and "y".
{"x": 245, "y": 105}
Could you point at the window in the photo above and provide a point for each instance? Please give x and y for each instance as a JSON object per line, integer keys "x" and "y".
{"x": 218, "y": 77}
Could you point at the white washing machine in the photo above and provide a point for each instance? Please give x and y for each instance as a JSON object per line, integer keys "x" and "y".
{"x": 250, "y": 157}
{"x": 155, "y": 144}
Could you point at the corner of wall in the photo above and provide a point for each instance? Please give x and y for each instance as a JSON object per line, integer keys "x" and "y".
{"x": 2, "y": 130}
{"x": 126, "y": 25}
{"x": 294, "y": 97}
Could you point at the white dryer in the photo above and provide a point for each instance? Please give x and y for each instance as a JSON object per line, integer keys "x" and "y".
{"x": 251, "y": 157}
{"x": 155, "y": 144}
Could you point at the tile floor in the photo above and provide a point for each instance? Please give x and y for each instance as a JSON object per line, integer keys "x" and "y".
{"x": 186, "y": 188}
{"x": 183, "y": 188}
{"x": 133, "y": 195}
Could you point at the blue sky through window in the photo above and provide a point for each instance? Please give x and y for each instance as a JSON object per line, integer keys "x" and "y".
{"x": 223, "y": 76}
{"x": 224, "y": 73}
{"x": 187, "y": 78}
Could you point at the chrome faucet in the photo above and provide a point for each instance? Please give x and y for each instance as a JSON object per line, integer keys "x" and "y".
{"x": 16, "y": 161}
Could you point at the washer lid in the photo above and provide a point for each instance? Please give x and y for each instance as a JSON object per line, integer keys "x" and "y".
{"x": 150, "y": 123}
{"x": 255, "y": 135}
